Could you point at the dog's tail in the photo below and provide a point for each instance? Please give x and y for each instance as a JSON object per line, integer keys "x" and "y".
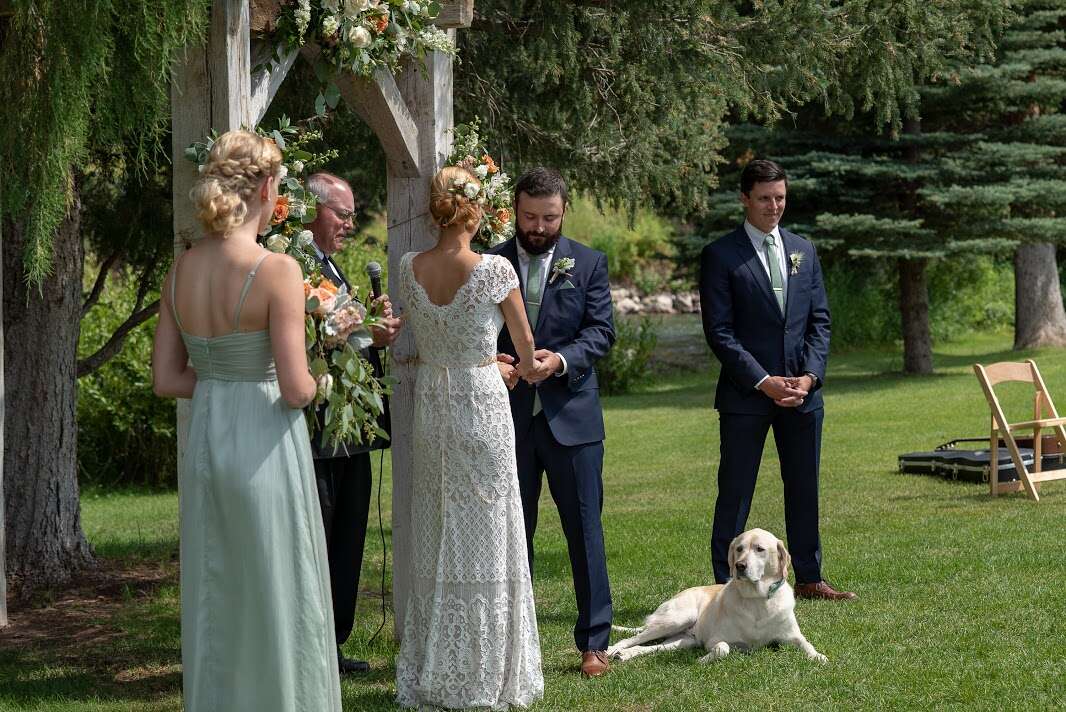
{"x": 623, "y": 629}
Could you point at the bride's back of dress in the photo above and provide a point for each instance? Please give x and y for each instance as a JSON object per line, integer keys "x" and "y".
{"x": 463, "y": 332}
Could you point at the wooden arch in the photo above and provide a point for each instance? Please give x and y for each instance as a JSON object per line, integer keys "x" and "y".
{"x": 411, "y": 114}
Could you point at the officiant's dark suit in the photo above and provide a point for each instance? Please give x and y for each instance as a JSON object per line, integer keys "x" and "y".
{"x": 559, "y": 422}
{"x": 343, "y": 475}
{"x": 762, "y": 337}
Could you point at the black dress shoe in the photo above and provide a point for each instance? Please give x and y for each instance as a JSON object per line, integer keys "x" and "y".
{"x": 350, "y": 667}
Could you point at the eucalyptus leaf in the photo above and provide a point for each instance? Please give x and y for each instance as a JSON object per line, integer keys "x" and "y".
{"x": 333, "y": 95}
{"x": 360, "y": 339}
{"x": 319, "y": 367}
{"x": 278, "y": 139}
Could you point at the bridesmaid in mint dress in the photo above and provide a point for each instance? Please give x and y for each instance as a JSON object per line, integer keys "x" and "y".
{"x": 256, "y": 620}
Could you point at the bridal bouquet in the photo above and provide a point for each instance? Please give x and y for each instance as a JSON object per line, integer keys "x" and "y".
{"x": 494, "y": 195}
{"x": 337, "y": 325}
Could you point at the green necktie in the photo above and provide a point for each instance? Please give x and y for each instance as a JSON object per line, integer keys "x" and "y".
{"x": 777, "y": 283}
{"x": 534, "y": 289}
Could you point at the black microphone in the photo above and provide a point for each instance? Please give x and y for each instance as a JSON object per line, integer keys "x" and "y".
{"x": 373, "y": 270}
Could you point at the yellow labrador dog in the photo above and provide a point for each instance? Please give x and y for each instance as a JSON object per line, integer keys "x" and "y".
{"x": 756, "y": 608}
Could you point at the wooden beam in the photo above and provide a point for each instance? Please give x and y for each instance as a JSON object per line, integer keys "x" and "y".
{"x": 381, "y": 105}
{"x": 266, "y": 82}
{"x": 455, "y": 14}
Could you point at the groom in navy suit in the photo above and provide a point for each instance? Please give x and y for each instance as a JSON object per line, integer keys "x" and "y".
{"x": 556, "y": 411}
{"x": 766, "y": 317}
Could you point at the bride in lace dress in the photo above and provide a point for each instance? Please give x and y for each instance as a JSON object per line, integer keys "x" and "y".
{"x": 470, "y": 628}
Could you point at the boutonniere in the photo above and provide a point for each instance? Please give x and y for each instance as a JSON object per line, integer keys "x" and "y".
{"x": 796, "y": 258}
{"x": 561, "y": 267}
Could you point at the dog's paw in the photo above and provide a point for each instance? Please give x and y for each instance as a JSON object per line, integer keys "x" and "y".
{"x": 818, "y": 657}
{"x": 625, "y": 654}
{"x": 719, "y": 651}
{"x": 612, "y": 652}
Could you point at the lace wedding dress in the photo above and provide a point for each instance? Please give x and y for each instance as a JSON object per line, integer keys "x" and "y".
{"x": 470, "y": 629}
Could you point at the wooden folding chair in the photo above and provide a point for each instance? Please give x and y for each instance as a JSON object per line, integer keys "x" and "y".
{"x": 1044, "y": 416}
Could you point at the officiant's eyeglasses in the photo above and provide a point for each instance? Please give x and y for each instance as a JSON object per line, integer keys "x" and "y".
{"x": 344, "y": 215}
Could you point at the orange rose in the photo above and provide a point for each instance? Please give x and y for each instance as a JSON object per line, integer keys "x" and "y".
{"x": 307, "y": 289}
{"x": 487, "y": 160}
{"x": 281, "y": 210}
{"x": 381, "y": 23}
{"x": 327, "y": 286}
{"x": 503, "y": 215}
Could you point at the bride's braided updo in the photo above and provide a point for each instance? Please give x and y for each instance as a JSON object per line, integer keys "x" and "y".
{"x": 238, "y": 162}
{"x": 448, "y": 204}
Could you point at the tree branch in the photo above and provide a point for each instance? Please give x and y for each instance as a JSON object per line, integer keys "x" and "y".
{"x": 114, "y": 344}
{"x": 98, "y": 285}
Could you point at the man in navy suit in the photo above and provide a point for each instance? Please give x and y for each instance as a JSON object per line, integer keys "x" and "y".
{"x": 766, "y": 317}
{"x": 556, "y": 411}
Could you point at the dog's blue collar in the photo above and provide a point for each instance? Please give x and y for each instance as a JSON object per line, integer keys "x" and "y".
{"x": 773, "y": 587}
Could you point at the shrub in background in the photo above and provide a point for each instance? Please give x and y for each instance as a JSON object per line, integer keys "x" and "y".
{"x": 126, "y": 435}
{"x": 626, "y": 364}
{"x": 638, "y": 255}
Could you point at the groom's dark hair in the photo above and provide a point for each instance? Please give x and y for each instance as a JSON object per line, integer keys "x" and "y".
{"x": 542, "y": 182}
{"x": 760, "y": 171}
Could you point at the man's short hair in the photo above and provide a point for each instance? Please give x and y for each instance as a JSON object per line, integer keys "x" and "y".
{"x": 760, "y": 171}
{"x": 542, "y": 182}
{"x": 322, "y": 185}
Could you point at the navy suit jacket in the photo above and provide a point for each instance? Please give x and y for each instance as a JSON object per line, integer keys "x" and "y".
{"x": 575, "y": 320}
{"x": 745, "y": 328}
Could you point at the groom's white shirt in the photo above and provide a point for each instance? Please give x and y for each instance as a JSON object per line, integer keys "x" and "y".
{"x": 523, "y": 265}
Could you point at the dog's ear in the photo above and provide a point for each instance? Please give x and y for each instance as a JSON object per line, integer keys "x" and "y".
{"x": 733, "y": 557}
{"x": 784, "y": 559}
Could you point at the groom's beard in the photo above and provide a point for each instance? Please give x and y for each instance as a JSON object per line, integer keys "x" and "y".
{"x": 537, "y": 243}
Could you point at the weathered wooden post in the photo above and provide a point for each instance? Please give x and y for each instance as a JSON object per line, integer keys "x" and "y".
{"x": 3, "y": 405}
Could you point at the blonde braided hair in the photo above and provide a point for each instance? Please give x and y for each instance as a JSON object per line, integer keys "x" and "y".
{"x": 238, "y": 162}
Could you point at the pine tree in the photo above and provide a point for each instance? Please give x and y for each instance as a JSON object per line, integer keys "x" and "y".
{"x": 1009, "y": 180}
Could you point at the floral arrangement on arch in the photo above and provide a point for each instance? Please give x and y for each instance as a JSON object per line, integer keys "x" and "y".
{"x": 337, "y": 324}
{"x": 494, "y": 194}
{"x": 361, "y": 36}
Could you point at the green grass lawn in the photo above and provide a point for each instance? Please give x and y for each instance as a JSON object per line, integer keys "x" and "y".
{"x": 961, "y": 601}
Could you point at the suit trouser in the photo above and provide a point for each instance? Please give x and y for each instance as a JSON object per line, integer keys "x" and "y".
{"x": 575, "y": 480}
{"x": 798, "y": 437}
{"x": 344, "y": 495}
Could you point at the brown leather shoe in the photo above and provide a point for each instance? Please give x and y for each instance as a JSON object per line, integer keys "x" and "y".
{"x": 823, "y": 591}
{"x": 594, "y": 663}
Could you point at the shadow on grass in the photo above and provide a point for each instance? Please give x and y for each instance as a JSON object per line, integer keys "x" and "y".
{"x": 112, "y": 635}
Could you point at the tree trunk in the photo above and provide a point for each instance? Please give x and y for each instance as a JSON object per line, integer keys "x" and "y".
{"x": 1039, "y": 317}
{"x": 45, "y": 542}
{"x": 914, "y": 310}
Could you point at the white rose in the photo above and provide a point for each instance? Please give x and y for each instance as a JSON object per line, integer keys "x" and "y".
{"x": 277, "y": 243}
{"x": 359, "y": 37}
{"x": 282, "y": 172}
{"x": 297, "y": 166}
{"x": 411, "y": 7}
{"x": 471, "y": 190}
{"x": 304, "y": 238}
{"x": 333, "y": 6}
{"x": 202, "y": 167}
{"x": 481, "y": 171}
